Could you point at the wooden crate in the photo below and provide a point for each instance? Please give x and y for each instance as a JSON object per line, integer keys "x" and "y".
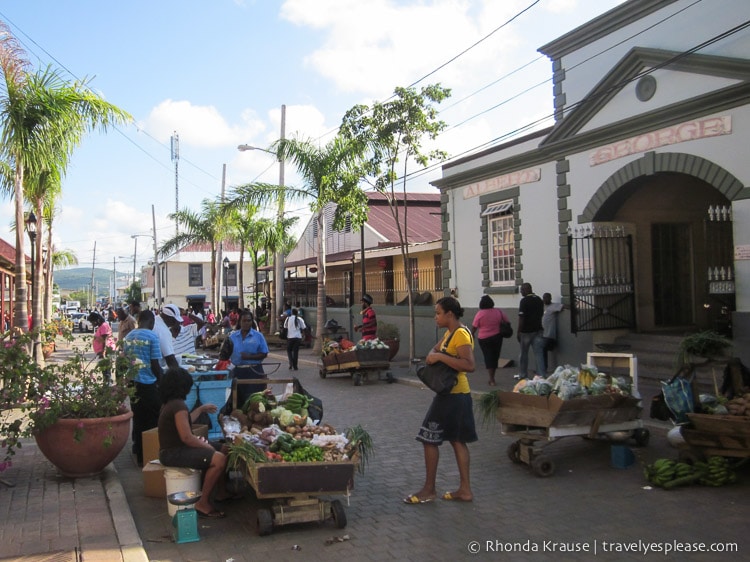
{"x": 736, "y": 425}
{"x": 551, "y": 411}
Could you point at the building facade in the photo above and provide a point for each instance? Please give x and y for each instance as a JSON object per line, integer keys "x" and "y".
{"x": 632, "y": 209}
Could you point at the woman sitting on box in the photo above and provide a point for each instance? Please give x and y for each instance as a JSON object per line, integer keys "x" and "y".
{"x": 180, "y": 448}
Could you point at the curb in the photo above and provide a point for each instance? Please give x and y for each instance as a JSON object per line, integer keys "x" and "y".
{"x": 131, "y": 546}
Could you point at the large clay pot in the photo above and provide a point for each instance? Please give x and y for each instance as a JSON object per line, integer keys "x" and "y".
{"x": 101, "y": 440}
{"x": 393, "y": 347}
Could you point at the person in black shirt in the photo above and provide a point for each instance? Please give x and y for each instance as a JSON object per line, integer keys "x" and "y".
{"x": 530, "y": 312}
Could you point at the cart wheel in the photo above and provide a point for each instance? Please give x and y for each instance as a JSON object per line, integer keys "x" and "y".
{"x": 514, "y": 452}
{"x": 322, "y": 373}
{"x": 357, "y": 379}
{"x": 641, "y": 436}
{"x": 265, "y": 522}
{"x": 339, "y": 515}
{"x": 543, "y": 467}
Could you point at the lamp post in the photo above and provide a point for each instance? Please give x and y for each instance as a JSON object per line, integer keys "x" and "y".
{"x": 226, "y": 284}
{"x": 278, "y": 274}
{"x": 31, "y": 230}
{"x": 157, "y": 293}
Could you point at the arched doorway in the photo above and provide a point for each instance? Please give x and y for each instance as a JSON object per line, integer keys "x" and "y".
{"x": 674, "y": 246}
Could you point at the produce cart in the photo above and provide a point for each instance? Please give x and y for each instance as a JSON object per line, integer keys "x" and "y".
{"x": 359, "y": 363}
{"x": 538, "y": 421}
{"x": 296, "y": 488}
{"x": 712, "y": 434}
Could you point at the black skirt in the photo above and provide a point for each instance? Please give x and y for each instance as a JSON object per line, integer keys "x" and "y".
{"x": 450, "y": 418}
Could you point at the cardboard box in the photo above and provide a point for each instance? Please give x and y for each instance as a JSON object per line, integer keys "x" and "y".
{"x": 154, "y": 485}
{"x": 151, "y": 441}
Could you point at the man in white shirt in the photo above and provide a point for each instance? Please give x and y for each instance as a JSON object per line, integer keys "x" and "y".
{"x": 166, "y": 325}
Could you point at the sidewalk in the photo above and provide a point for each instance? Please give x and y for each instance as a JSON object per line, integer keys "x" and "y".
{"x": 107, "y": 518}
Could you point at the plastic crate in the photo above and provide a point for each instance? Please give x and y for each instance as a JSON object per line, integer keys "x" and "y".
{"x": 213, "y": 390}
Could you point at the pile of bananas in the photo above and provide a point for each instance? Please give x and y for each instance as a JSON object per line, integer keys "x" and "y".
{"x": 586, "y": 377}
{"x": 716, "y": 472}
{"x": 668, "y": 474}
{"x": 297, "y": 404}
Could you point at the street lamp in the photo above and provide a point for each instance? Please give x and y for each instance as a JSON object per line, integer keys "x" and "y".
{"x": 278, "y": 274}
{"x": 226, "y": 283}
{"x": 31, "y": 230}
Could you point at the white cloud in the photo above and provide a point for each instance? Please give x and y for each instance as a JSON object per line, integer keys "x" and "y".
{"x": 200, "y": 126}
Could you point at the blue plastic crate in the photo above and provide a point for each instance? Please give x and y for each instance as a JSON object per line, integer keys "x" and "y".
{"x": 213, "y": 390}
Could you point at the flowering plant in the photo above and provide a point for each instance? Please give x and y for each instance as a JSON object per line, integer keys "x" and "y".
{"x": 33, "y": 396}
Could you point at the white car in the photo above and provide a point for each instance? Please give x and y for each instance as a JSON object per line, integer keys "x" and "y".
{"x": 81, "y": 322}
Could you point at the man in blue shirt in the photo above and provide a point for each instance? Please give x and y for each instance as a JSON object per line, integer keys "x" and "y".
{"x": 143, "y": 345}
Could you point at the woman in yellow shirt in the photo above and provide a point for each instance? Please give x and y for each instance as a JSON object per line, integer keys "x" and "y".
{"x": 451, "y": 416}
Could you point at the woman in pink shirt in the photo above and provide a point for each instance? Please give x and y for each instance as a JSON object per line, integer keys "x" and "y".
{"x": 103, "y": 338}
{"x": 487, "y": 323}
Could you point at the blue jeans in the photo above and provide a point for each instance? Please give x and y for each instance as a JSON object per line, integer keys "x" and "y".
{"x": 536, "y": 342}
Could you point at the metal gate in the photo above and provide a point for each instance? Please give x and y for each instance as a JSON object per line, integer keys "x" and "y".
{"x": 601, "y": 278}
{"x": 717, "y": 232}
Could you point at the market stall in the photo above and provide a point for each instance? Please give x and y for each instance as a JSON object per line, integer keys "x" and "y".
{"x": 358, "y": 361}
{"x": 290, "y": 458}
{"x": 571, "y": 402}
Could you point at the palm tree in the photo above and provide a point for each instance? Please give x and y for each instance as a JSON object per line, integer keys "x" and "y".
{"x": 43, "y": 119}
{"x": 206, "y": 227}
{"x": 59, "y": 258}
{"x": 330, "y": 174}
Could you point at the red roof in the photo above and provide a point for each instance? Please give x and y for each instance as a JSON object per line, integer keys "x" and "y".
{"x": 423, "y": 216}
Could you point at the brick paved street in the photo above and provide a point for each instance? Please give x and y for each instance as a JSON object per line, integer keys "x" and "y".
{"x": 586, "y": 500}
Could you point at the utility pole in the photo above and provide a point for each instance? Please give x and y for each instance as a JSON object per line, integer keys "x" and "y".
{"x": 279, "y": 256}
{"x": 157, "y": 274}
{"x": 93, "y": 266}
{"x": 176, "y": 160}
{"x": 217, "y": 265}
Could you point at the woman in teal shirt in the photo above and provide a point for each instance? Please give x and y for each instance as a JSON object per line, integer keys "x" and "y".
{"x": 246, "y": 348}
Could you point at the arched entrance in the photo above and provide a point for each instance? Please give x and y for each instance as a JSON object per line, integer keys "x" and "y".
{"x": 678, "y": 209}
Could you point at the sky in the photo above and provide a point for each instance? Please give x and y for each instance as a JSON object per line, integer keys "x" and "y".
{"x": 216, "y": 73}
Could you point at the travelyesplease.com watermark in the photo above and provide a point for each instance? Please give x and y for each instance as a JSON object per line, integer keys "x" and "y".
{"x": 595, "y": 547}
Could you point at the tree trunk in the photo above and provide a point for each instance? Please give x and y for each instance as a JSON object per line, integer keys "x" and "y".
{"x": 20, "y": 310}
{"x": 321, "y": 311}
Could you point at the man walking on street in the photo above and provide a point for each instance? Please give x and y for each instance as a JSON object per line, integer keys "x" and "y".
{"x": 530, "y": 312}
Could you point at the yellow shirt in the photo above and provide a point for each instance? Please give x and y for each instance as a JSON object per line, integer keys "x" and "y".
{"x": 461, "y": 337}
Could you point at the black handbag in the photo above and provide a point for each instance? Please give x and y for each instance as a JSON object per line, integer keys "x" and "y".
{"x": 506, "y": 330}
{"x": 439, "y": 377}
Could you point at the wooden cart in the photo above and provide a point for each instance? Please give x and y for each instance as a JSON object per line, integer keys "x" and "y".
{"x": 539, "y": 420}
{"x": 358, "y": 363}
{"x": 711, "y": 434}
{"x": 296, "y": 487}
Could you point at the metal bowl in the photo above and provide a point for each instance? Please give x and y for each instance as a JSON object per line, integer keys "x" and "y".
{"x": 184, "y": 498}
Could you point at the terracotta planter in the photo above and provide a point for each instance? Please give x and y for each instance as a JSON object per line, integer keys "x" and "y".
{"x": 393, "y": 347}
{"x": 48, "y": 349}
{"x": 101, "y": 441}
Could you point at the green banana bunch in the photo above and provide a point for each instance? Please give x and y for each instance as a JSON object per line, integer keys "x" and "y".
{"x": 716, "y": 472}
{"x": 668, "y": 474}
{"x": 297, "y": 404}
{"x": 660, "y": 472}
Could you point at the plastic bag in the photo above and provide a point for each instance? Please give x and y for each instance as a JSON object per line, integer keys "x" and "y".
{"x": 678, "y": 395}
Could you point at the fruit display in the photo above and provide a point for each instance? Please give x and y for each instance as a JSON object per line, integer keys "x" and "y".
{"x": 332, "y": 346}
{"x": 269, "y": 430}
{"x": 668, "y": 474}
{"x": 569, "y": 382}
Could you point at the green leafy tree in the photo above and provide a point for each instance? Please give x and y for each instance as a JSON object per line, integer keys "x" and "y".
{"x": 393, "y": 132}
{"x": 330, "y": 174}
{"x": 133, "y": 293}
{"x": 61, "y": 258}
{"x": 43, "y": 118}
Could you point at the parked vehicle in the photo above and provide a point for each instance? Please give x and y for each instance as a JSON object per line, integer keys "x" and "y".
{"x": 81, "y": 322}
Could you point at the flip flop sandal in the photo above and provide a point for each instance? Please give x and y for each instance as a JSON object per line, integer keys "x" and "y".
{"x": 414, "y": 500}
{"x": 447, "y": 496}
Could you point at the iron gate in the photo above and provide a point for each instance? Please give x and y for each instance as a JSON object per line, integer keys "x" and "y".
{"x": 601, "y": 278}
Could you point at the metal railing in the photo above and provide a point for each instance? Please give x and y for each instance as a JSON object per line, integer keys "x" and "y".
{"x": 387, "y": 287}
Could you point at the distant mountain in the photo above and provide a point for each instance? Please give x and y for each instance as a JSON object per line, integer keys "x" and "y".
{"x": 79, "y": 279}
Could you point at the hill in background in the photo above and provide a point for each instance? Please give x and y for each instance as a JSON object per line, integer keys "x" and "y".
{"x": 79, "y": 279}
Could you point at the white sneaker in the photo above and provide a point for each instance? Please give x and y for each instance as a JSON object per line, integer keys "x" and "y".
{"x": 519, "y": 376}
